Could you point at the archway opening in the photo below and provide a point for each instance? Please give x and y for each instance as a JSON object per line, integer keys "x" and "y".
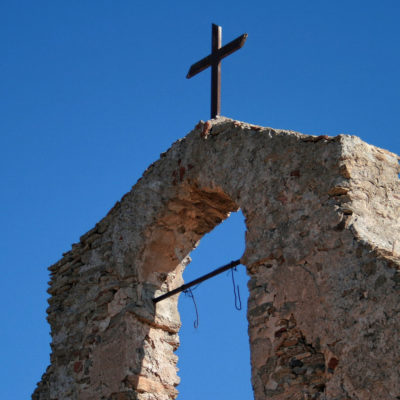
{"x": 214, "y": 358}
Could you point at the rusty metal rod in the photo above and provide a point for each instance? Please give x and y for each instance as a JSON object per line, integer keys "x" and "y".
{"x": 223, "y": 52}
{"x": 203, "y": 278}
{"x": 216, "y": 42}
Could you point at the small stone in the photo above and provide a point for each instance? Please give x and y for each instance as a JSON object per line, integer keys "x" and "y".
{"x": 294, "y": 362}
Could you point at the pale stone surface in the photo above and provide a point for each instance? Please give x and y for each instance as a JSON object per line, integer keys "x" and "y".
{"x": 322, "y": 217}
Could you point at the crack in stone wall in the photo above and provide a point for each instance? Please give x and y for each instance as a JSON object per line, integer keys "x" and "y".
{"x": 322, "y": 218}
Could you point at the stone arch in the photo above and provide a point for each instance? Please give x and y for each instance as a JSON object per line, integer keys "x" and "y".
{"x": 321, "y": 217}
{"x": 214, "y": 350}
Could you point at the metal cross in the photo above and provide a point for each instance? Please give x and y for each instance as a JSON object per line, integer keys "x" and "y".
{"x": 214, "y": 61}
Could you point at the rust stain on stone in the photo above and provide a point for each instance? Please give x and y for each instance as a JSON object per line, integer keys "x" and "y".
{"x": 333, "y": 363}
{"x": 182, "y": 170}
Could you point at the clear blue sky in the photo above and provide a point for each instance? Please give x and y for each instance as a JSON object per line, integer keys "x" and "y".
{"x": 93, "y": 91}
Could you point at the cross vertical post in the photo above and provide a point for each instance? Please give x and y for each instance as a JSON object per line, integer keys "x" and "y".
{"x": 216, "y": 42}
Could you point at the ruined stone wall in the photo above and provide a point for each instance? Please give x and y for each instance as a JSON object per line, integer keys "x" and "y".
{"x": 322, "y": 217}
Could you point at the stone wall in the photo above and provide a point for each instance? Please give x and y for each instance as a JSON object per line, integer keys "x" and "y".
{"x": 322, "y": 218}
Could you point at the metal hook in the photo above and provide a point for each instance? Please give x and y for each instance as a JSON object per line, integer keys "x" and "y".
{"x": 188, "y": 292}
{"x": 238, "y": 301}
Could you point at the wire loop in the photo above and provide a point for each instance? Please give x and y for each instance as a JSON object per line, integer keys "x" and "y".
{"x": 236, "y": 291}
{"x": 188, "y": 292}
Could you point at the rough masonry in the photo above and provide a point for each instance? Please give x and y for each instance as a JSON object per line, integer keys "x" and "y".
{"x": 322, "y": 252}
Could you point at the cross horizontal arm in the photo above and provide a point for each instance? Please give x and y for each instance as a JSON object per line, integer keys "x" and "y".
{"x": 223, "y": 52}
{"x": 197, "y": 281}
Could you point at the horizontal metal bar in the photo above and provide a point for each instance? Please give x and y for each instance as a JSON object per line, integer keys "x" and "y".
{"x": 223, "y": 52}
{"x": 232, "y": 46}
{"x": 217, "y": 271}
{"x": 201, "y": 65}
